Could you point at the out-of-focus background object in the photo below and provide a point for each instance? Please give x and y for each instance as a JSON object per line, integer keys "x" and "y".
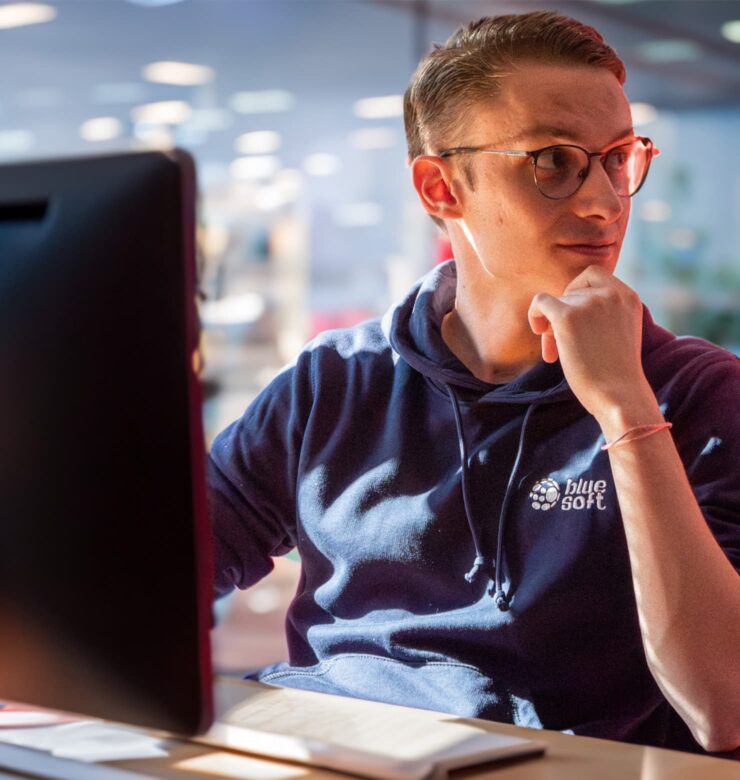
{"x": 308, "y": 220}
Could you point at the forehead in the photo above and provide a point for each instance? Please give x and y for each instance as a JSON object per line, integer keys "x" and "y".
{"x": 539, "y": 102}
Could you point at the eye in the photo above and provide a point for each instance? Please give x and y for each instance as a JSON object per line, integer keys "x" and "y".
{"x": 557, "y": 159}
{"x": 617, "y": 159}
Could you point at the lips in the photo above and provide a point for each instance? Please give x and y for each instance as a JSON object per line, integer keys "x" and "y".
{"x": 596, "y": 248}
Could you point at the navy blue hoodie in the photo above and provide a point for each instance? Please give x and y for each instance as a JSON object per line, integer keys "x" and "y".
{"x": 461, "y": 543}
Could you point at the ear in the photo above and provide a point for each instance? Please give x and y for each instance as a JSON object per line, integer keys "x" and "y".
{"x": 432, "y": 179}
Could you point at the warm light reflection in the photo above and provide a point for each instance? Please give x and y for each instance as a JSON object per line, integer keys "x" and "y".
{"x": 379, "y": 107}
{"x": 183, "y": 74}
{"x": 165, "y": 112}
{"x": 230, "y": 765}
{"x": 22, "y": 14}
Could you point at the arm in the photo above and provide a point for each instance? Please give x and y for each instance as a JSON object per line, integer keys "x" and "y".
{"x": 687, "y": 591}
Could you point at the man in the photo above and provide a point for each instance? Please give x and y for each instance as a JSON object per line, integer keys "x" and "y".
{"x": 467, "y": 543}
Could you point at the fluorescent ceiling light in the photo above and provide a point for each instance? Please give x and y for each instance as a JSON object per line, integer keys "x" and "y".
{"x": 373, "y": 138}
{"x": 22, "y": 14}
{"x": 181, "y": 74}
{"x": 251, "y": 168}
{"x": 359, "y": 214}
{"x": 119, "y": 93}
{"x": 379, "y": 107}
{"x": 655, "y": 211}
{"x": 268, "y": 101}
{"x": 670, "y": 50}
{"x": 731, "y": 30}
{"x": 101, "y": 128}
{"x": 643, "y": 113}
{"x": 259, "y": 142}
{"x": 321, "y": 164}
{"x": 166, "y": 112}
{"x": 16, "y": 140}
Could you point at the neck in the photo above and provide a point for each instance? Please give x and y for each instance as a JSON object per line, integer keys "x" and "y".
{"x": 488, "y": 331}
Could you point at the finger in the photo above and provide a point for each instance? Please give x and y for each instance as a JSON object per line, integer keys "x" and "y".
{"x": 549, "y": 346}
{"x": 544, "y": 308}
{"x": 593, "y": 276}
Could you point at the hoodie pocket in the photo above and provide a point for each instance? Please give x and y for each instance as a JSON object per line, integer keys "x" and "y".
{"x": 435, "y": 685}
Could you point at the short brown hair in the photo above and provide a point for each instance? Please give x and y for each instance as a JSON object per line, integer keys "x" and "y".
{"x": 468, "y": 67}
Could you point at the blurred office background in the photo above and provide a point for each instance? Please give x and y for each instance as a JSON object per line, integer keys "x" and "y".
{"x": 292, "y": 110}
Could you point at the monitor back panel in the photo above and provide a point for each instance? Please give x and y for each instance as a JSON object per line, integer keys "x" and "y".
{"x": 104, "y": 561}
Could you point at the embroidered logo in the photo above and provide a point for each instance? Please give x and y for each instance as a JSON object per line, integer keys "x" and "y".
{"x": 577, "y": 494}
{"x": 545, "y": 494}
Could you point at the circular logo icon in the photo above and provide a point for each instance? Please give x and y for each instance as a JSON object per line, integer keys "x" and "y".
{"x": 545, "y": 494}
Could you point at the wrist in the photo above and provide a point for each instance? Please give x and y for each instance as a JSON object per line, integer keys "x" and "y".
{"x": 627, "y": 412}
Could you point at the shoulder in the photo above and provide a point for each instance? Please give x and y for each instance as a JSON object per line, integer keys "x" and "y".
{"x": 687, "y": 365}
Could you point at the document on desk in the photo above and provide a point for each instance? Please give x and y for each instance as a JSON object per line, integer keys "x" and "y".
{"x": 350, "y": 735}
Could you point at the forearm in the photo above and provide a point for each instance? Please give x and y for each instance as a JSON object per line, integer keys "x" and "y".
{"x": 688, "y": 593}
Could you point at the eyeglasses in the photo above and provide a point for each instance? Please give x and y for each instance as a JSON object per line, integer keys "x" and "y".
{"x": 560, "y": 170}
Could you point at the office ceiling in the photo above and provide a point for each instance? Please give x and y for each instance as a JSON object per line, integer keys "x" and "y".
{"x": 88, "y": 62}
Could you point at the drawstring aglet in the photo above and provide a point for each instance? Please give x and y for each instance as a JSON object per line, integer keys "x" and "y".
{"x": 473, "y": 573}
{"x": 501, "y": 601}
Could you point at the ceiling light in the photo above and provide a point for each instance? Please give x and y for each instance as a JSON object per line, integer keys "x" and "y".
{"x": 379, "y": 107}
{"x": 21, "y": 14}
{"x": 269, "y": 101}
{"x": 670, "y": 50}
{"x": 259, "y": 142}
{"x": 321, "y": 164}
{"x": 373, "y": 138}
{"x": 731, "y": 30}
{"x": 101, "y": 128}
{"x": 181, "y": 74}
{"x": 643, "y": 113}
{"x": 166, "y": 112}
{"x": 154, "y": 3}
{"x": 153, "y": 136}
{"x": 16, "y": 140}
{"x": 251, "y": 168}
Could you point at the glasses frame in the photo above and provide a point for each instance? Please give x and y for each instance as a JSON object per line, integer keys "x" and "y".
{"x": 535, "y": 153}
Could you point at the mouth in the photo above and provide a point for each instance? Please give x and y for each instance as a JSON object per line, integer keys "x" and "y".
{"x": 590, "y": 248}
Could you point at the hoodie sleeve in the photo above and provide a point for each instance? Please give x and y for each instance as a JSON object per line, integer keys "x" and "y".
{"x": 251, "y": 480}
{"x": 706, "y": 429}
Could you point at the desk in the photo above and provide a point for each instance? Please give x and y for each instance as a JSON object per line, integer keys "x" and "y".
{"x": 567, "y": 758}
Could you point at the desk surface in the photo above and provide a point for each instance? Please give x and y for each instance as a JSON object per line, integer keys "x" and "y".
{"x": 567, "y": 758}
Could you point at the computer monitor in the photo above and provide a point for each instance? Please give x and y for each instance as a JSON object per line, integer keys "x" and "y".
{"x": 105, "y": 577}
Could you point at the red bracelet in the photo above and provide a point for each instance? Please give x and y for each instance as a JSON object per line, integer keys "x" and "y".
{"x": 638, "y": 432}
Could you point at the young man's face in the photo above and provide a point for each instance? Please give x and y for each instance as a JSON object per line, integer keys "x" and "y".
{"x": 516, "y": 233}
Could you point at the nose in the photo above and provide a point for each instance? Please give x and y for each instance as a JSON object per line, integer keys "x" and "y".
{"x": 596, "y": 197}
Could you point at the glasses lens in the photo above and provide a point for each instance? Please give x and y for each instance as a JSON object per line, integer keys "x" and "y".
{"x": 559, "y": 170}
{"x": 627, "y": 166}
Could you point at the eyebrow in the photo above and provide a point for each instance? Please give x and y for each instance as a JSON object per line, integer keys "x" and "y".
{"x": 560, "y": 132}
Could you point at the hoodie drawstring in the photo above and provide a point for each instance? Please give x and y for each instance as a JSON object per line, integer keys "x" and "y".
{"x": 500, "y": 598}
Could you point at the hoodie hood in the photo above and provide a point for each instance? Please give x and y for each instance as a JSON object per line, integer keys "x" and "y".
{"x": 414, "y": 330}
